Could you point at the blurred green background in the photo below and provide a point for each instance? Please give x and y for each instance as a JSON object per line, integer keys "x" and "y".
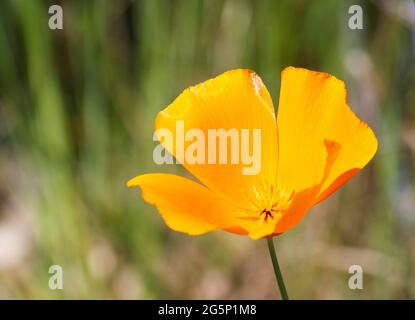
{"x": 76, "y": 116}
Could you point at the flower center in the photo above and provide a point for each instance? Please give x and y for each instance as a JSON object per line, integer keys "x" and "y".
{"x": 268, "y": 201}
{"x": 273, "y": 202}
{"x": 267, "y": 214}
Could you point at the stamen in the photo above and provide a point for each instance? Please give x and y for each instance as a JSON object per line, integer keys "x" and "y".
{"x": 268, "y": 214}
{"x": 269, "y": 201}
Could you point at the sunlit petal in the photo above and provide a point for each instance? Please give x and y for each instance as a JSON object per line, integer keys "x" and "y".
{"x": 185, "y": 205}
{"x": 313, "y": 109}
{"x": 237, "y": 100}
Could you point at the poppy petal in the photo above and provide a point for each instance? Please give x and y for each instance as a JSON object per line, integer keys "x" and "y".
{"x": 313, "y": 109}
{"x": 185, "y": 205}
{"x": 304, "y": 199}
{"x": 237, "y": 99}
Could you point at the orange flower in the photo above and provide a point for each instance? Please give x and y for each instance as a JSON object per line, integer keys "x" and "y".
{"x": 315, "y": 146}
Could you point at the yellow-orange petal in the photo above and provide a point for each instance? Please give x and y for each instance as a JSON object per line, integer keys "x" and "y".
{"x": 187, "y": 206}
{"x": 313, "y": 109}
{"x": 236, "y": 99}
{"x": 304, "y": 199}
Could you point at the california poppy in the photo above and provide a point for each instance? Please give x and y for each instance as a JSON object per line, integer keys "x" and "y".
{"x": 315, "y": 145}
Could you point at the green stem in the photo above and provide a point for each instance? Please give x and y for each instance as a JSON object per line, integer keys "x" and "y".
{"x": 277, "y": 270}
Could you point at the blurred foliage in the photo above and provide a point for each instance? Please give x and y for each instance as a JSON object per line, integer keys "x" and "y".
{"x": 76, "y": 114}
